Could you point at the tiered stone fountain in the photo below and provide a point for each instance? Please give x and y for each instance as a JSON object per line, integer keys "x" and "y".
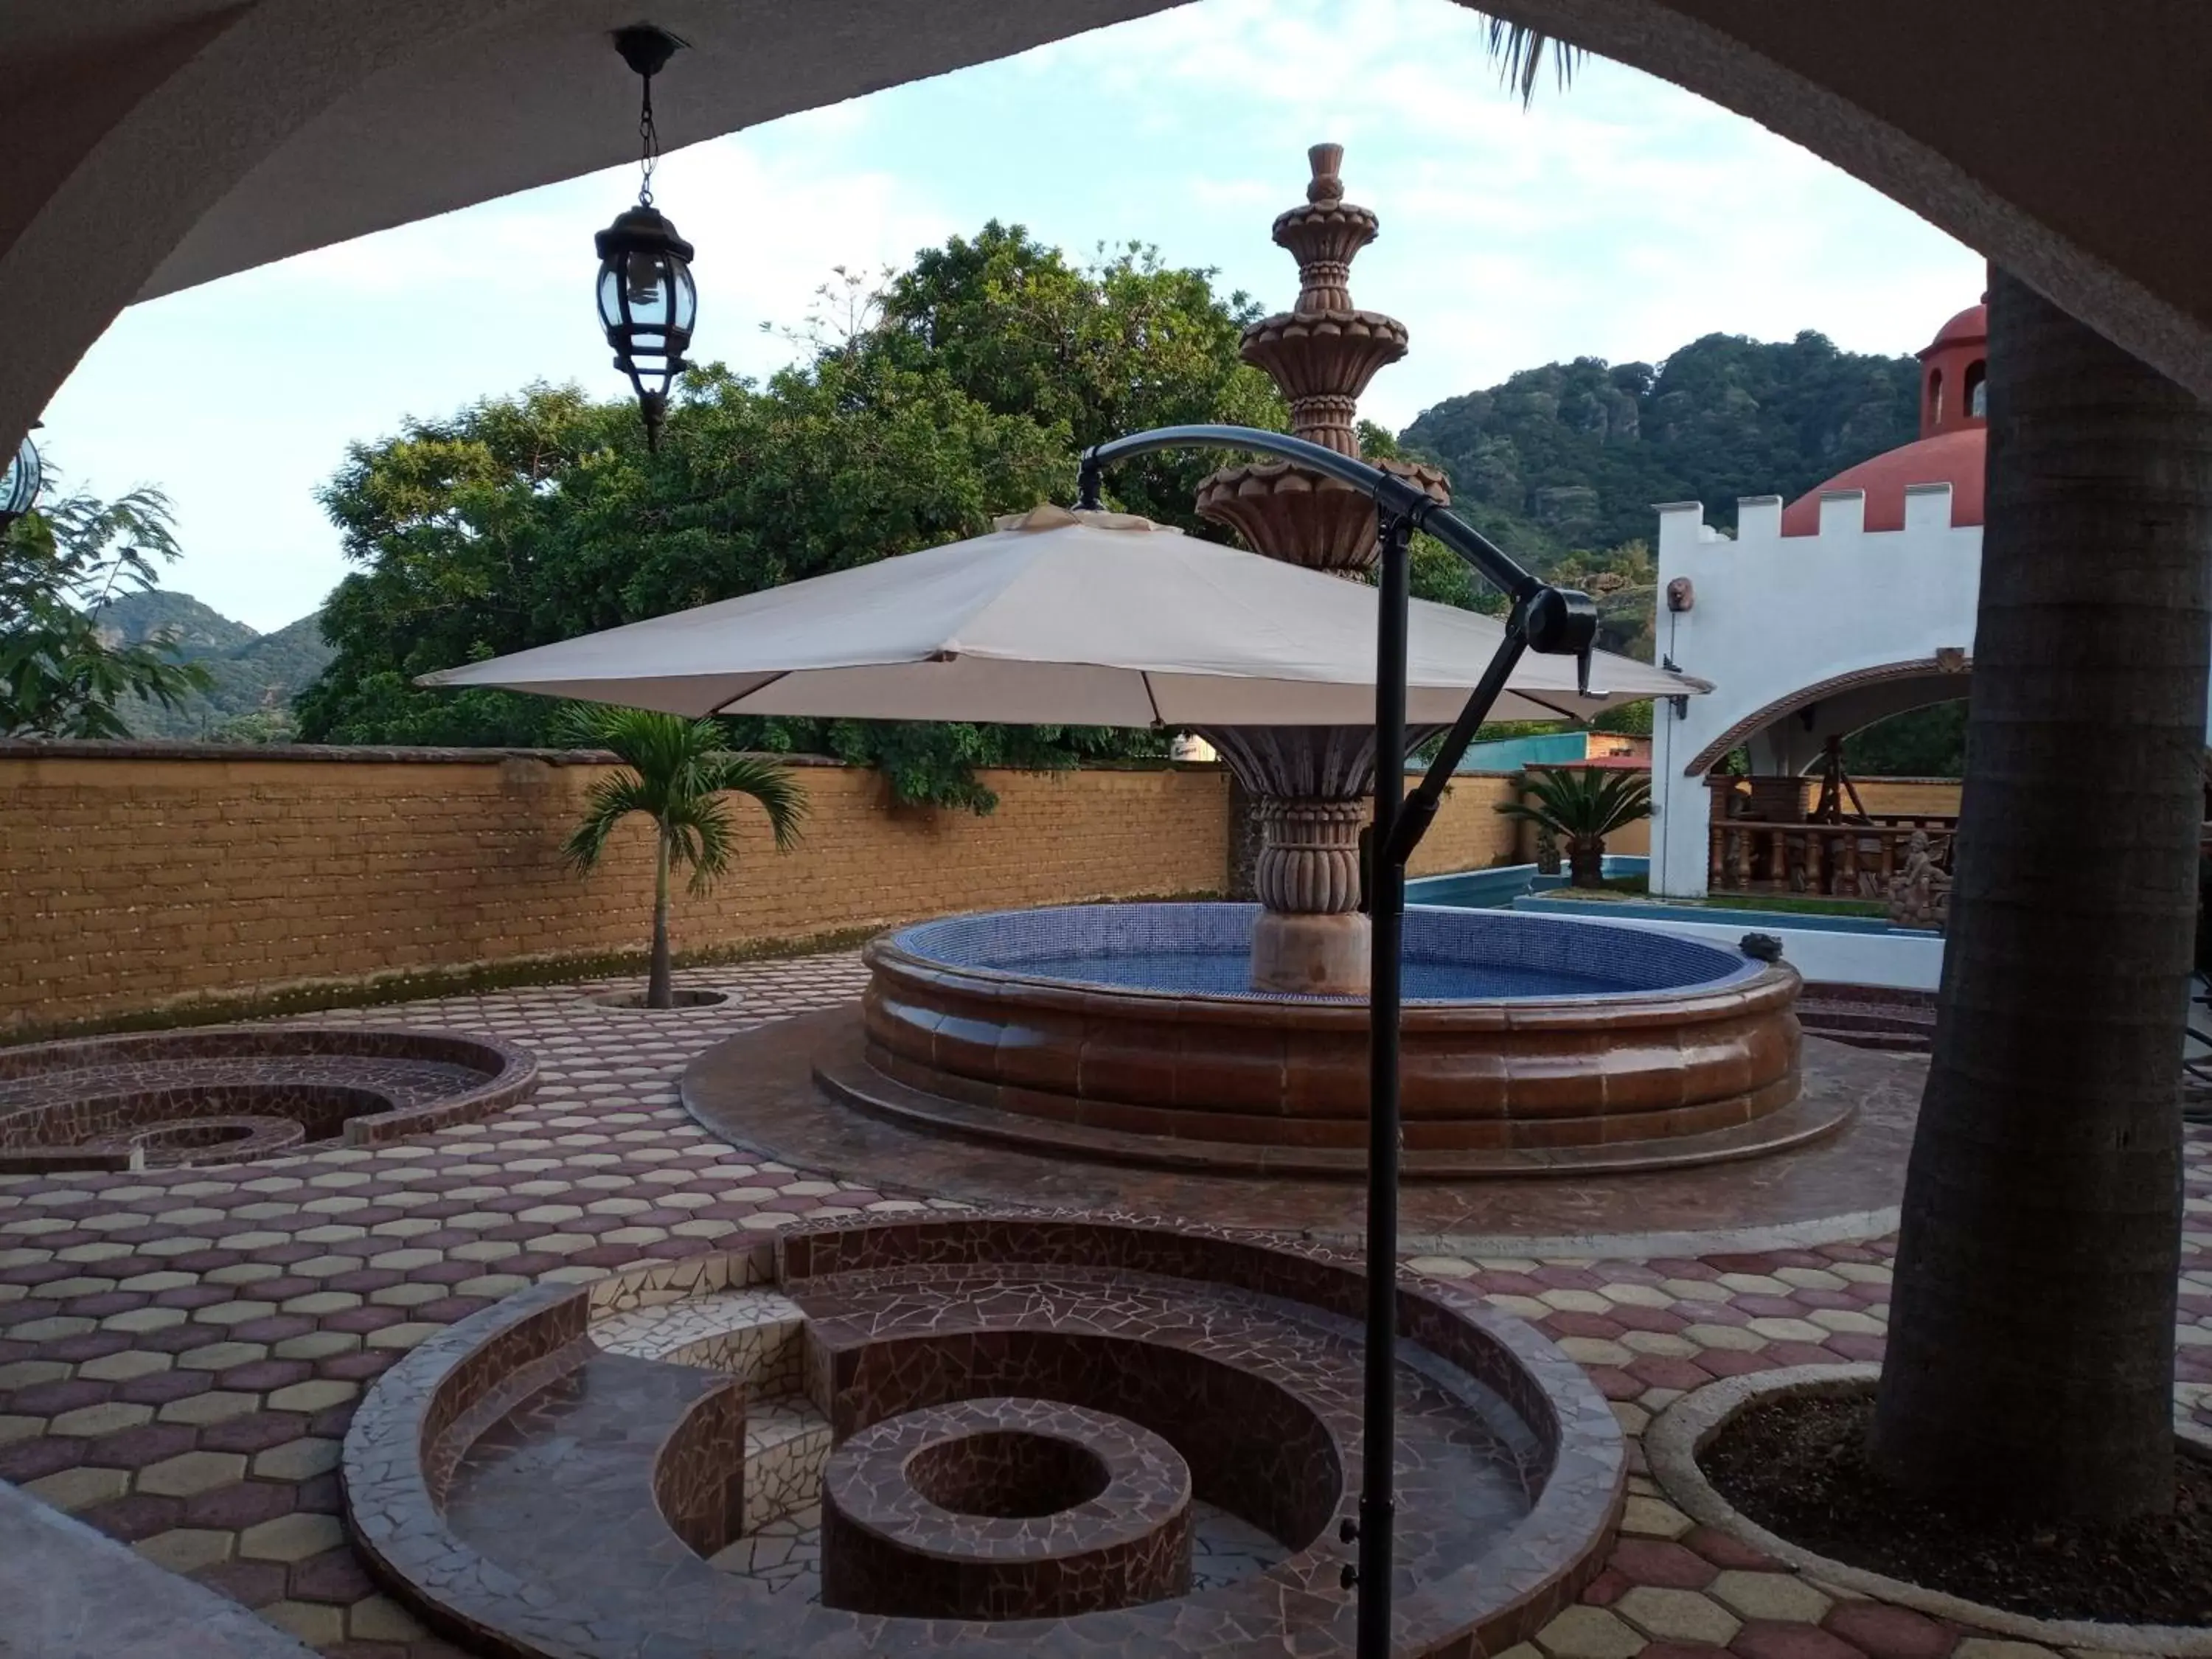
{"x": 1309, "y": 783}
{"x": 1212, "y": 1039}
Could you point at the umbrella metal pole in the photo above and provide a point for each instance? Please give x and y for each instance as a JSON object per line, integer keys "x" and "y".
{"x": 1545, "y": 619}
{"x": 1386, "y": 917}
{"x": 1400, "y": 824}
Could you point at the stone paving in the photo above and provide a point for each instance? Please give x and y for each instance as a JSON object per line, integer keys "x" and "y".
{"x": 180, "y": 1350}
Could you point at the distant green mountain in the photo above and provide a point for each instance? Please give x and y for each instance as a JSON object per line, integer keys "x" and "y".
{"x": 1561, "y": 465}
{"x": 1573, "y": 456}
{"x": 198, "y": 631}
{"x": 256, "y": 675}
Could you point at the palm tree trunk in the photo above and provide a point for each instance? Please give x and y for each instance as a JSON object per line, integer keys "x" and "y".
{"x": 2030, "y": 1360}
{"x": 1586, "y": 860}
{"x": 660, "y": 984}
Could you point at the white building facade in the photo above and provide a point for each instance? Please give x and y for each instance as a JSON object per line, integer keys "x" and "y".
{"x": 1852, "y": 603}
{"x": 1801, "y": 636}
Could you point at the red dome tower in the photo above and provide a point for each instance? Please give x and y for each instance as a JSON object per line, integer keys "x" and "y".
{"x": 1953, "y": 443}
{"x": 1952, "y": 367}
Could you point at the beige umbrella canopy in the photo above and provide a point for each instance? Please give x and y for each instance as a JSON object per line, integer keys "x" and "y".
{"x": 1058, "y": 618}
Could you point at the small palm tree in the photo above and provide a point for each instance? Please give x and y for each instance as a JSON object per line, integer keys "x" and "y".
{"x": 1582, "y": 805}
{"x": 679, "y": 770}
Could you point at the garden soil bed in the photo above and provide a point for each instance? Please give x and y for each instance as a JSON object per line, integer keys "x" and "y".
{"x": 1797, "y": 1464}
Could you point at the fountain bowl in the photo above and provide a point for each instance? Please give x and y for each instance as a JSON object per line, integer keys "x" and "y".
{"x": 1129, "y": 1032}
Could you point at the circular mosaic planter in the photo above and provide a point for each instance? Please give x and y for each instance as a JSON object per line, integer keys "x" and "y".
{"x": 682, "y": 1000}
{"x": 230, "y": 1095}
{"x": 600, "y": 1470}
{"x": 1004, "y": 1508}
{"x": 1679, "y": 1433}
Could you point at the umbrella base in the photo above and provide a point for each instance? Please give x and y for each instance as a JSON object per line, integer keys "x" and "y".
{"x": 1310, "y": 955}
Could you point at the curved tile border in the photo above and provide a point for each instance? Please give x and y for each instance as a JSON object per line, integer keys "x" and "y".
{"x": 687, "y": 999}
{"x": 154, "y": 1080}
{"x": 1679, "y": 1433}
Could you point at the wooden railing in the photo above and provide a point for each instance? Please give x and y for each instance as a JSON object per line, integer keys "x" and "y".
{"x": 1846, "y": 861}
{"x": 1932, "y": 823}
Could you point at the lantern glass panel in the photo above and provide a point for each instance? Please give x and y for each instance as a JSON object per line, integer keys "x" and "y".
{"x": 687, "y": 301}
{"x": 646, "y": 288}
{"x": 611, "y": 310}
{"x": 19, "y": 482}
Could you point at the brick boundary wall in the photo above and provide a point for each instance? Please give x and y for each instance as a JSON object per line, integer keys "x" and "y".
{"x": 139, "y": 878}
{"x": 145, "y": 878}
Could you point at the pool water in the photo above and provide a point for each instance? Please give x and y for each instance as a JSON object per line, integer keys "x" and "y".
{"x": 1205, "y": 949}
{"x": 1225, "y": 973}
{"x": 1503, "y": 886}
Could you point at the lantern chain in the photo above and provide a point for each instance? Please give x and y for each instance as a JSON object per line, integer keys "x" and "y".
{"x": 649, "y": 139}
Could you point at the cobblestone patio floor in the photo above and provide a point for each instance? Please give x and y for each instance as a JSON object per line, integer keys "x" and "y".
{"x": 180, "y": 1351}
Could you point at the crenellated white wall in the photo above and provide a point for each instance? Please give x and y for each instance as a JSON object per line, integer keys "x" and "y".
{"x": 1775, "y": 614}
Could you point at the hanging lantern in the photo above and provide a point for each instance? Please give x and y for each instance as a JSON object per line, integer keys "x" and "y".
{"x": 19, "y": 482}
{"x": 645, "y": 296}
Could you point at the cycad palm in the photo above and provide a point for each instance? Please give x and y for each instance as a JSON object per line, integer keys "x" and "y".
{"x": 1582, "y": 805}
{"x": 679, "y": 772}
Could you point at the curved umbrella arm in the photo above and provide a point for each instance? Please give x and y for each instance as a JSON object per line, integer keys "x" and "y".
{"x": 1566, "y": 625}
{"x": 1551, "y": 620}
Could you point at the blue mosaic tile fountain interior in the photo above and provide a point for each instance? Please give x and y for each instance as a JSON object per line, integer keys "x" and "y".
{"x": 1203, "y": 949}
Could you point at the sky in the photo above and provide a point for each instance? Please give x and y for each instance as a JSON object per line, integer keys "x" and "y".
{"x": 1620, "y": 218}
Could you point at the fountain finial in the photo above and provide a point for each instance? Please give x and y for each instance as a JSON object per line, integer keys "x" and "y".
{"x": 1321, "y": 354}
{"x": 1327, "y": 186}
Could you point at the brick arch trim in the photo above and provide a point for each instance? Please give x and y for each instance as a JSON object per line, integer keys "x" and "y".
{"x": 1943, "y": 666}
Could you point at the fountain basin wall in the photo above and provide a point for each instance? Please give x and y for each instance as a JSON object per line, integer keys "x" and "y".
{"x": 1518, "y": 1032}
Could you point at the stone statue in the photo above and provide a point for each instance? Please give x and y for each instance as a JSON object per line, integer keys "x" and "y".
{"x": 1920, "y": 894}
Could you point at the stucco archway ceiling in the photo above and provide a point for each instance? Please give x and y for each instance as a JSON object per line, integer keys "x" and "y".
{"x": 152, "y": 145}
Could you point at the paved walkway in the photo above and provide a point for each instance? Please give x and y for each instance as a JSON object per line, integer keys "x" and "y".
{"x": 180, "y": 1351}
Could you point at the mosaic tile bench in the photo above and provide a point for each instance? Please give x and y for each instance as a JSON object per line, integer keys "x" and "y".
{"x": 1022, "y": 1434}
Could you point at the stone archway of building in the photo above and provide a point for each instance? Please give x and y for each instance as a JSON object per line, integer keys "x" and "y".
{"x": 1946, "y": 677}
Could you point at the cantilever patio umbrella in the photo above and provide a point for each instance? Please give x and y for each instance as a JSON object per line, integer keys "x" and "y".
{"x": 1059, "y": 618}
{"x": 1099, "y": 619}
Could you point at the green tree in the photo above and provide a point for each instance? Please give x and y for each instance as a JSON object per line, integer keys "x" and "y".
{"x": 1122, "y": 344}
{"x": 1922, "y": 743}
{"x": 961, "y": 389}
{"x": 257, "y": 725}
{"x": 678, "y": 774}
{"x": 60, "y": 675}
{"x": 1582, "y": 805}
{"x": 529, "y": 519}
